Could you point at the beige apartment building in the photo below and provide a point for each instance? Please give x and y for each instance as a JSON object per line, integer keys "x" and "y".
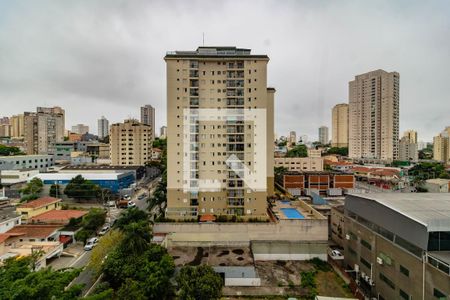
{"x": 214, "y": 144}
{"x": 43, "y": 129}
{"x": 374, "y": 115}
{"x": 408, "y": 150}
{"x": 148, "y": 117}
{"x": 441, "y": 146}
{"x": 130, "y": 143}
{"x": 339, "y": 125}
{"x": 17, "y": 126}
{"x": 411, "y": 135}
{"x": 305, "y": 164}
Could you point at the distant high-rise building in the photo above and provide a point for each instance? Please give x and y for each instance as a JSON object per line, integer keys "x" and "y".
{"x": 43, "y": 129}
{"x": 292, "y": 137}
{"x": 80, "y": 129}
{"x": 421, "y": 145}
{"x": 103, "y": 127}
{"x": 148, "y": 117}
{"x": 130, "y": 143}
{"x": 163, "y": 132}
{"x": 411, "y": 135}
{"x": 441, "y": 146}
{"x": 17, "y": 126}
{"x": 5, "y": 130}
{"x": 323, "y": 135}
{"x": 339, "y": 125}
{"x": 374, "y": 115}
{"x": 207, "y": 172}
{"x": 4, "y": 121}
{"x": 408, "y": 150}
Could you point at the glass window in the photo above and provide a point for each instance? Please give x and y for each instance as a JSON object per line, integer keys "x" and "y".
{"x": 438, "y": 294}
{"x": 404, "y": 271}
{"x": 404, "y": 295}
{"x": 387, "y": 281}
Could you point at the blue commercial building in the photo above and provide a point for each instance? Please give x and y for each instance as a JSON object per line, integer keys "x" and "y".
{"x": 111, "y": 181}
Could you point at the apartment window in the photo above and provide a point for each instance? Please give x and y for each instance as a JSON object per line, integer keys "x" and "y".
{"x": 404, "y": 295}
{"x": 366, "y": 244}
{"x": 438, "y": 294}
{"x": 351, "y": 251}
{"x": 365, "y": 262}
{"x": 404, "y": 271}
{"x": 387, "y": 281}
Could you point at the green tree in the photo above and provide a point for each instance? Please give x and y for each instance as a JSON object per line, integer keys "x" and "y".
{"x": 10, "y": 151}
{"x": 18, "y": 281}
{"x": 298, "y": 151}
{"x": 91, "y": 223}
{"x": 131, "y": 290}
{"x": 106, "y": 244}
{"x": 131, "y": 215}
{"x": 136, "y": 238}
{"x": 159, "y": 197}
{"x": 80, "y": 188}
{"x": 199, "y": 283}
{"x": 343, "y": 151}
{"x": 33, "y": 187}
{"x": 55, "y": 191}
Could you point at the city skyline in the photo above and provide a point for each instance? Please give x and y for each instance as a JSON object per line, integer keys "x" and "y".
{"x": 57, "y": 69}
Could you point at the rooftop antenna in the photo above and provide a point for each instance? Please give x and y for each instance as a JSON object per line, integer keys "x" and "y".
{"x": 203, "y": 39}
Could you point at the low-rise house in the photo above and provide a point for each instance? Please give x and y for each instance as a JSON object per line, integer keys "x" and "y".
{"x": 35, "y": 233}
{"x": 8, "y": 219}
{"x": 438, "y": 185}
{"x": 37, "y": 207}
{"x": 156, "y": 153}
{"x": 11, "y": 246}
{"x": 11, "y": 177}
{"x": 300, "y": 163}
{"x": 57, "y": 217}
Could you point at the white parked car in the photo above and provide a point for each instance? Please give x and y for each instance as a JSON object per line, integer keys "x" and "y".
{"x": 131, "y": 204}
{"x": 336, "y": 253}
{"x": 127, "y": 197}
{"x": 104, "y": 230}
{"x": 91, "y": 243}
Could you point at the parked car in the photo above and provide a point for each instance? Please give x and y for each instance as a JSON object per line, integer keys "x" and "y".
{"x": 142, "y": 197}
{"x": 131, "y": 204}
{"x": 104, "y": 230}
{"x": 91, "y": 243}
{"x": 127, "y": 197}
{"x": 336, "y": 253}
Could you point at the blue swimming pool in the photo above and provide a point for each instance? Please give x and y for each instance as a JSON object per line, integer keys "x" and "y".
{"x": 292, "y": 213}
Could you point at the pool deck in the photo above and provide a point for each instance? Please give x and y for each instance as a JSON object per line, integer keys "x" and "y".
{"x": 303, "y": 209}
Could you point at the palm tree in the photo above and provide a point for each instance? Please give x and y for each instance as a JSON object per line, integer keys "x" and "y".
{"x": 137, "y": 237}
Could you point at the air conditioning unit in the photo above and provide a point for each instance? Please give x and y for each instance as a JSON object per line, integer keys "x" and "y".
{"x": 371, "y": 282}
{"x": 356, "y": 268}
{"x": 379, "y": 260}
{"x": 367, "y": 278}
{"x": 363, "y": 275}
{"x": 347, "y": 237}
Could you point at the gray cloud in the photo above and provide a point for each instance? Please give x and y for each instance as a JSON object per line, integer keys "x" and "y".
{"x": 106, "y": 57}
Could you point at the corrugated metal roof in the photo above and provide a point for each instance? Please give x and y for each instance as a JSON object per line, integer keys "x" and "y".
{"x": 430, "y": 209}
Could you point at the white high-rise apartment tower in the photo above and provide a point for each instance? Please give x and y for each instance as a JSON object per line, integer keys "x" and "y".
{"x": 148, "y": 117}
{"x": 103, "y": 127}
{"x": 374, "y": 115}
{"x": 323, "y": 135}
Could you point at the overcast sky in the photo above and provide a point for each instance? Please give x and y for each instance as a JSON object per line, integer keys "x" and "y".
{"x": 97, "y": 58}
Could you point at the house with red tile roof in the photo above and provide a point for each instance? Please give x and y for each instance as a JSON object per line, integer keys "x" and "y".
{"x": 59, "y": 217}
{"x": 36, "y": 207}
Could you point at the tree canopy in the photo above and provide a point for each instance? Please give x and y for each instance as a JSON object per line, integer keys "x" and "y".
{"x": 199, "y": 283}
{"x": 18, "y": 281}
{"x": 91, "y": 223}
{"x": 298, "y": 151}
{"x": 33, "y": 187}
{"x": 338, "y": 150}
{"x": 10, "y": 151}
{"x": 80, "y": 188}
{"x": 135, "y": 268}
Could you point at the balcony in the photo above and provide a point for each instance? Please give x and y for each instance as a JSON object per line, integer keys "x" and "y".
{"x": 193, "y": 92}
{"x": 193, "y": 73}
{"x": 193, "y": 64}
{"x": 235, "y": 202}
{"x": 193, "y": 83}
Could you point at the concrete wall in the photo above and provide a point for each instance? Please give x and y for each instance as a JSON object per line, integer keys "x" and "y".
{"x": 281, "y": 250}
{"x": 242, "y": 281}
{"x": 292, "y": 230}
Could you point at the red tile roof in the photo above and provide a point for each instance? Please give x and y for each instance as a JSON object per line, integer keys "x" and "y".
{"x": 207, "y": 218}
{"x": 3, "y": 237}
{"x": 34, "y": 231}
{"x": 58, "y": 216}
{"x": 40, "y": 202}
